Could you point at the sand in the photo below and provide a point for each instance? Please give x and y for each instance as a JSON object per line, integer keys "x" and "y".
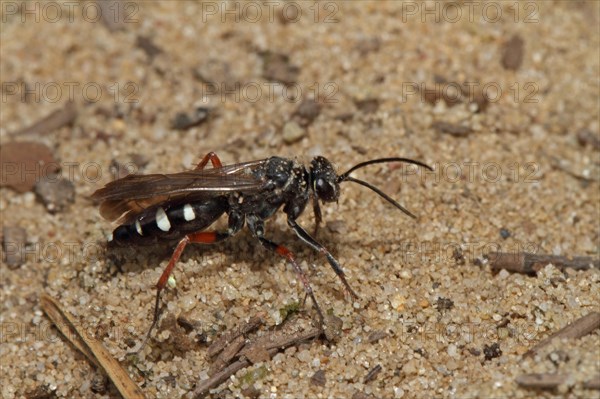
{"x": 518, "y": 172}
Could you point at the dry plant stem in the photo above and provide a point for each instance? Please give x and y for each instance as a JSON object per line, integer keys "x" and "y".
{"x": 594, "y": 383}
{"x": 523, "y": 262}
{"x": 280, "y": 341}
{"x": 269, "y": 344}
{"x": 577, "y": 329}
{"x": 552, "y": 381}
{"x": 91, "y": 348}
{"x": 372, "y": 374}
{"x": 230, "y": 336}
{"x": 217, "y": 379}
{"x": 227, "y": 355}
{"x": 541, "y": 381}
{"x": 55, "y": 120}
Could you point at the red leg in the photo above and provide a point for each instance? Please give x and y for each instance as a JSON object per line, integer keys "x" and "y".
{"x": 204, "y": 237}
{"x": 213, "y": 158}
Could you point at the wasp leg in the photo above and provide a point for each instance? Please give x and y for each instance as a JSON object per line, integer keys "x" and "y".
{"x": 236, "y": 222}
{"x": 213, "y": 158}
{"x": 256, "y": 226}
{"x": 304, "y": 236}
{"x": 317, "y": 213}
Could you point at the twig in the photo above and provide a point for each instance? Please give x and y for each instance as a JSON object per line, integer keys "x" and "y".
{"x": 371, "y": 375}
{"x": 218, "y": 378}
{"x": 577, "y": 329}
{"x": 55, "y": 120}
{"x": 594, "y": 383}
{"x": 528, "y": 263}
{"x": 279, "y": 340}
{"x": 91, "y": 348}
{"x": 230, "y": 336}
{"x": 552, "y": 381}
{"x": 262, "y": 349}
{"x": 227, "y": 355}
{"x": 541, "y": 381}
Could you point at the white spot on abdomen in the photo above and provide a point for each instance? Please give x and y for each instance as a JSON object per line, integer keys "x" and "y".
{"x": 162, "y": 221}
{"x": 188, "y": 213}
{"x": 138, "y": 227}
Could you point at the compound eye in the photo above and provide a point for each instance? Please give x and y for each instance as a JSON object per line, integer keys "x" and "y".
{"x": 325, "y": 190}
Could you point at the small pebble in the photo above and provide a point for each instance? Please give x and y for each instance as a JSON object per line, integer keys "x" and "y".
{"x": 56, "y": 193}
{"x": 13, "y": 242}
{"x": 184, "y": 121}
{"x": 492, "y": 351}
{"x": 333, "y": 328}
{"x": 307, "y": 111}
{"x": 319, "y": 378}
{"x": 292, "y": 132}
{"x": 277, "y": 67}
{"x": 504, "y": 233}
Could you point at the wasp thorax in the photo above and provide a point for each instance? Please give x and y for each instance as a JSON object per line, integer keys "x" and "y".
{"x": 324, "y": 179}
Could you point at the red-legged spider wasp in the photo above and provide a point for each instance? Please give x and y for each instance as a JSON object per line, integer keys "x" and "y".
{"x": 181, "y": 206}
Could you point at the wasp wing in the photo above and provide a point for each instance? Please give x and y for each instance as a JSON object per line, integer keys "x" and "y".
{"x": 127, "y": 197}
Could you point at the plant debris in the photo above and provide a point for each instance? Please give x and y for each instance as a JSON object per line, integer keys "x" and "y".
{"x": 24, "y": 163}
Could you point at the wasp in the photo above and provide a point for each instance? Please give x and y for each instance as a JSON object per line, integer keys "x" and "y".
{"x": 180, "y": 207}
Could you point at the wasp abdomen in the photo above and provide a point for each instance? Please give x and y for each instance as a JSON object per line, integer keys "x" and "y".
{"x": 169, "y": 223}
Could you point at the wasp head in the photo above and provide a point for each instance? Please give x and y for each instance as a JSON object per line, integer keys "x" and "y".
{"x": 324, "y": 180}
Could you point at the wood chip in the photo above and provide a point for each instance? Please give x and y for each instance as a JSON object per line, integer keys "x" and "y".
{"x": 579, "y": 328}
{"x": 452, "y": 129}
{"x": 24, "y": 164}
{"x": 184, "y": 121}
{"x": 57, "y": 119}
{"x": 376, "y": 336}
{"x": 277, "y": 67}
{"x": 319, "y": 378}
{"x": 148, "y": 46}
{"x": 368, "y": 106}
{"x": 512, "y": 53}
{"x": 541, "y": 381}
{"x": 90, "y": 347}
